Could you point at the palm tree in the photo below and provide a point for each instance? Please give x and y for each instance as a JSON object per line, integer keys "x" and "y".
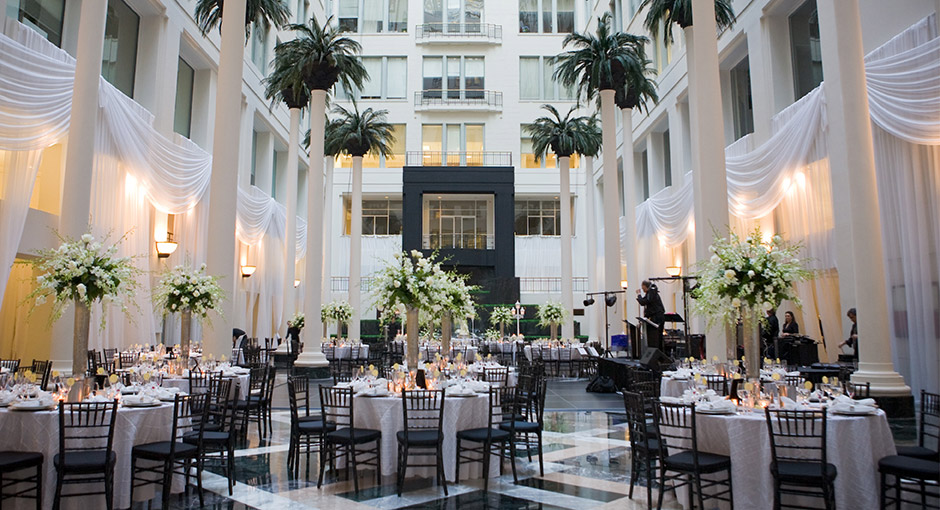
{"x": 285, "y": 84}
{"x": 358, "y": 133}
{"x": 564, "y": 136}
{"x": 220, "y": 256}
{"x": 324, "y": 57}
{"x": 600, "y": 62}
{"x": 667, "y": 12}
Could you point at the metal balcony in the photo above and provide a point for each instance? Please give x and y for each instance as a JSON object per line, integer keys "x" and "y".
{"x": 550, "y": 285}
{"x": 458, "y": 241}
{"x": 341, "y": 284}
{"x": 459, "y": 33}
{"x": 480, "y": 158}
{"x": 459, "y": 100}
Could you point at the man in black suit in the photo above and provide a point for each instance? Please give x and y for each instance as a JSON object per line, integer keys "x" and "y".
{"x": 769, "y": 331}
{"x": 653, "y": 310}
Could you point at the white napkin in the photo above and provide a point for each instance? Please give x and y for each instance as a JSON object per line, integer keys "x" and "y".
{"x": 140, "y": 400}
{"x": 7, "y": 396}
{"x": 790, "y": 405}
{"x": 842, "y": 399}
{"x": 378, "y": 391}
{"x": 682, "y": 374}
{"x": 33, "y": 403}
{"x": 722, "y": 405}
{"x": 670, "y": 400}
{"x": 460, "y": 389}
{"x": 841, "y": 407}
{"x": 97, "y": 398}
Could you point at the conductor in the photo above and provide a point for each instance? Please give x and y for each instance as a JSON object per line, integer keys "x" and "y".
{"x": 654, "y": 311}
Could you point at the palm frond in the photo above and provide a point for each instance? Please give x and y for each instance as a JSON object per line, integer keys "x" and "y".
{"x": 261, "y": 13}
{"x": 358, "y": 133}
{"x": 663, "y": 13}
{"x": 325, "y": 56}
{"x": 563, "y": 136}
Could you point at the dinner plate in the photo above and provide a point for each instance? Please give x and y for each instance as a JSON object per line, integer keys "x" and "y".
{"x": 855, "y": 412}
{"x": 41, "y": 408}
{"x": 142, "y": 404}
{"x": 462, "y": 395}
{"x": 716, "y": 411}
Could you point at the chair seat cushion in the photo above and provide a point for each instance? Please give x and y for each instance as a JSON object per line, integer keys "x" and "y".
{"x": 315, "y": 427}
{"x": 160, "y": 450}
{"x": 909, "y": 467}
{"x": 312, "y": 417}
{"x": 428, "y": 437}
{"x": 651, "y": 445}
{"x": 804, "y": 472}
{"x": 525, "y": 427}
{"x": 94, "y": 461}
{"x": 708, "y": 462}
{"x": 919, "y": 452}
{"x": 347, "y": 435}
{"x": 208, "y": 437}
{"x": 479, "y": 435}
{"x": 14, "y": 461}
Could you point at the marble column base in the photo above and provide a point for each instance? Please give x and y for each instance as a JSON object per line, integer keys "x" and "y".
{"x": 312, "y": 372}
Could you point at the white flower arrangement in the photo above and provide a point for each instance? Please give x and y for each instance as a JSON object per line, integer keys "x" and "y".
{"x": 87, "y": 271}
{"x": 339, "y": 312}
{"x": 501, "y": 315}
{"x": 410, "y": 280}
{"x": 185, "y": 288}
{"x": 551, "y": 314}
{"x": 457, "y": 296}
{"x": 744, "y": 277}
{"x": 296, "y": 321}
{"x": 491, "y": 334}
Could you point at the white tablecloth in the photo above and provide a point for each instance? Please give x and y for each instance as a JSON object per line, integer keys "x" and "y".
{"x": 551, "y": 353}
{"x": 343, "y": 352}
{"x": 854, "y": 446}
{"x": 670, "y": 387}
{"x": 241, "y": 380}
{"x": 460, "y": 413}
{"x": 39, "y": 432}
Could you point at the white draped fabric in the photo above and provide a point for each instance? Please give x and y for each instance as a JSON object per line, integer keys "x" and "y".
{"x": 137, "y": 170}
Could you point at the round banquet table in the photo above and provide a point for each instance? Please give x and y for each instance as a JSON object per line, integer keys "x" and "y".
{"x": 854, "y": 446}
{"x": 460, "y": 413}
{"x": 344, "y": 352}
{"x": 38, "y": 431}
{"x": 669, "y": 387}
{"x": 239, "y": 380}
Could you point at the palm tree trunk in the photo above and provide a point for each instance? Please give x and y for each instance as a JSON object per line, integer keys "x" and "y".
{"x": 590, "y": 190}
{"x": 290, "y": 241}
{"x": 313, "y": 273}
{"x": 612, "y": 265}
{"x": 223, "y": 184}
{"x": 629, "y": 205}
{"x": 567, "y": 287}
{"x": 355, "y": 250}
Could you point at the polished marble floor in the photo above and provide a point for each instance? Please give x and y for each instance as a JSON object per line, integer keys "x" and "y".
{"x": 587, "y": 465}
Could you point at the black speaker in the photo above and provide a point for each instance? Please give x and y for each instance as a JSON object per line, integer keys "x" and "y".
{"x": 654, "y": 359}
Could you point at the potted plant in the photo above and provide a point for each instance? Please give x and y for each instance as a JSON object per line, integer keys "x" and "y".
{"x": 744, "y": 278}
{"x": 500, "y": 316}
{"x": 551, "y": 314}
{"x": 83, "y": 272}
{"x": 190, "y": 292}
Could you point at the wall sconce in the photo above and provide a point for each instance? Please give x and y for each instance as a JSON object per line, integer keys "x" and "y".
{"x": 296, "y": 283}
{"x": 247, "y": 271}
{"x": 165, "y": 248}
{"x": 623, "y": 284}
{"x": 673, "y": 271}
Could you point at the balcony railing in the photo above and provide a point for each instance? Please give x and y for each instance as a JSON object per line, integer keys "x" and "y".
{"x": 461, "y": 99}
{"x": 550, "y": 285}
{"x": 478, "y": 158}
{"x": 458, "y": 241}
{"x": 459, "y": 33}
{"x": 341, "y": 284}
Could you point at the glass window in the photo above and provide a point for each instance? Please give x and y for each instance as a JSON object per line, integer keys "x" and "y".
{"x": 301, "y": 11}
{"x": 182, "y": 117}
{"x": 397, "y": 158}
{"x": 348, "y": 15}
{"x": 565, "y": 16}
{"x": 259, "y": 55}
{"x": 396, "y": 78}
{"x": 453, "y": 77}
{"x": 527, "y": 155}
{"x": 373, "y": 14}
{"x": 434, "y": 14}
{"x": 380, "y": 216}
{"x": 452, "y": 142}
{"x": 274, "y": 175}
{"x": 473, "y": 77}
{"x": 805, "y": 52}
{"x": 458, "y": 222}
{"x": 372, "y": 89}
{"x": 741, "y": 105}
{"x": 548, "y": 84}
{"x": 473, "y": 15}
{"x": 645, "y": 168}
{"x": 539, "y": 217}
{"x": 667, "y": 158}
{"x": 254, "y": 154}
{"x": 547, "y": 16}
{"x": 397, "y": 15}
{"x": 43, "y": 16}
{"x": 528, "y": 88}
{"x": 119, "y": 57}
{"x": 432, "y": 138}
{"x": 528, "y": 16}
{"x": 433, "y": 76}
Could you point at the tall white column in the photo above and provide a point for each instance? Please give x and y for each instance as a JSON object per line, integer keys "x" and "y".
{"x": 328, "y": 206}
{"x": 590, "y": 199}
{"x": 290, "y": 203}
{"x": 851, "y": 147}
{"x": 313, "y": 270}
{"x": 629, "y": 211}
{"x": 355, "y": 249}
{"x": 612, "y": 264}
{"x": 567, "y": 285}
{"x": 708, "y": 148}
{"x": 157, "y": 67}
{"x": 223, "y": 185}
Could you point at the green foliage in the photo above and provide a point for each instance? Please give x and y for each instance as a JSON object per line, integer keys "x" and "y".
{"x": 564, "y": 136}
{"x": 357, "y": 133}
{"x": 663, "y": 13}
{"x": 261, "y": 13}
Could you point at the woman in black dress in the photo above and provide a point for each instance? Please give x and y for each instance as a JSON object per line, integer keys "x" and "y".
{"x": 790, "y": 326}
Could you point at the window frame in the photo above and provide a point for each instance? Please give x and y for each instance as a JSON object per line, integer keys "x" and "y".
{"x": 390, "y": 211}
{"x": 385, "y": 22}
{"x": 559, "y": 93}
{"x": 549, "y": 8}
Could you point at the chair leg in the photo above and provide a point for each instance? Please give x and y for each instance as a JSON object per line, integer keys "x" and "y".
{"x": 109, "y": 489}
{"x": 730, "y": 490}
{"x": 199, "y": 465}
{"x": 39, "y": 487}
{"x": 662, "y": 487}
{"x": 329, "y": 454}
{"x": 457, "y": 464}
{"x": 230, "y": 462}
{"x": 355, "y": 467}
{"x": 633, "y": 472}
{"x": 167, "y": 484}
{"x": 541, "y": 458}
{"x": 402, "y": 466}
{"x": 58, "y": 490}
{"x": 649, "y": 481}
{"x": 442, "y": 477}
{"x": 512, "y": 461}
{"x": 486, "y": 466}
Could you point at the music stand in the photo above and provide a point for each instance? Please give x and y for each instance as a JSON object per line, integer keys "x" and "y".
{"x": 646, "y": 323}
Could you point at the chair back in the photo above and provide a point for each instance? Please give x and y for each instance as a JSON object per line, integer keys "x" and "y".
{"x": 423, "y": 409}
{"x": 676, "y": 429}
{"x": 109, "y": 355}
{"x": 336, "y": 406}
{"x": 531, "y": 406}
{"x": 635, "y": 405}
{"x": 564, "y": 354}
{"x": 87, "y": 426}
{"x": 717, "y": 383}
{"x": 329, "y": 352}
{"x": 10, "y": 364}
{"x": 270, "y": 381}
{"x": 189, "y": 411}
{"x": 498, "y": 376}
{"x": 128, "y": 359}
{"x": 252, "y": 355}
{"x": 856, "y": 390}
{"x": 93, "y": 361}
{"x": 256, "y": 380}
{"x": 929, "y": 419}
{"x": 203, "y": 381}
{"x": 42, "y": 368}
{"x": 797, "y": 436}
{"x": 354, "y": 352}
{"x": 220, "y": 396}
{"x": 298, "y": 393}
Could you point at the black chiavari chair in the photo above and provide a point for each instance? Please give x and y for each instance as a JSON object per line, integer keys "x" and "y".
{"x": 423, "y": 413}
{"x": 86, "y": 449}
{"x": 348, "y": 441}
{"x": 798, "y": 457}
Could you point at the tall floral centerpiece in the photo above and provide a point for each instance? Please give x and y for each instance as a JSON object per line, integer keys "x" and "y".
{"x": 742, "y": 280}
{"x": 410, "y": 283}
{"x": 500, "y": 316}
{"x": 83, "y": 272}
{"x": 551, "y": 314}
{"x": 189, "y": 291}
{"x": 458, "y": 303}
{"x": 338, "y": 312}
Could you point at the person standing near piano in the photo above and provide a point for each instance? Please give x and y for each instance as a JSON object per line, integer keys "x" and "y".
{"x": 653, "y": 309}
